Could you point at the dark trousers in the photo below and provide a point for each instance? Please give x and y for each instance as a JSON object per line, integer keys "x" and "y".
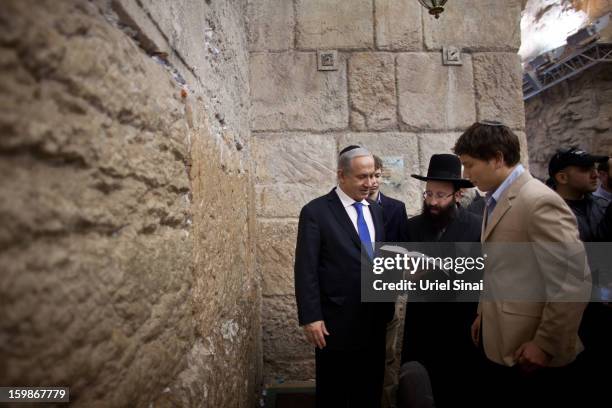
{"x": 504, "y": 386}
{"x": 593, "y": 367}
{"x": 349, "y": 379}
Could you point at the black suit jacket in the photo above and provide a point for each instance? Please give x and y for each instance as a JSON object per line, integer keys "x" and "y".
{"x": 395, "y": 219}
{"x": 328, "y": 274}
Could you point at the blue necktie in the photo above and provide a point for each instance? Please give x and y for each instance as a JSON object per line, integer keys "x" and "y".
{"x": 364, "y": 233}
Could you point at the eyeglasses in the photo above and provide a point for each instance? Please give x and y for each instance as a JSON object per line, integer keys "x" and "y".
{"x": 439, "y": 195}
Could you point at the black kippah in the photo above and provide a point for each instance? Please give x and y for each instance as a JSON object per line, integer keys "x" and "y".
{"x": 348, "y": 149}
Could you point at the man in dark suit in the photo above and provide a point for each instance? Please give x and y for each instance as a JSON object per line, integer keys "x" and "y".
{"x": 349, "y": 335}
{"x": 396, "y": 227}
{"x": 437, "y": 334}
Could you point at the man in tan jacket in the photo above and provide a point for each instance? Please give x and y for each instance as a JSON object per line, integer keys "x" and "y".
{"x": 536, "y": 283}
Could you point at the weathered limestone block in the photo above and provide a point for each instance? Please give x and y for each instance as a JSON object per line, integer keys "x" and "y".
{"x": 294, "y": 158}
{"x": 434, "y": 143}
{"x": 291, "y": 170}
{"x": 398, "y": 25}
{"x": 372, "y": 91}
{"x": 334, "y": 24}
{"x": 96, "y": 248}
{"x": 286, "y": 200}
{"x": 498, "y": 81}
{"x": 275, "y": 256}
{"x": 283, "y": 337}
{"x": 271, "y": 25}
{"x": 401, "y": 152}
{"x": 280, "y": 371}
{"x": 476, "y": 25}
{"x": 106, "y": 239}
{"x": 289, "y": 93}
{"x": 433, "y": 96}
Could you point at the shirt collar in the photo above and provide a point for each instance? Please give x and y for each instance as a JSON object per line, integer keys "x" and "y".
{"x": 346, "y": 200}
{"x": 600, "y": 192}
{"x": 496, "y": 195}
{"x": 379, "y": 198}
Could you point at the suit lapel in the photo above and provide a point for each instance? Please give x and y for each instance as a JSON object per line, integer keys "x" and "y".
{"x": 343, "y": 219}
{"x": 504, "y": 204}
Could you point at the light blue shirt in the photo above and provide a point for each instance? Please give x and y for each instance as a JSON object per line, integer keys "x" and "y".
{"x": 493, "y": 198}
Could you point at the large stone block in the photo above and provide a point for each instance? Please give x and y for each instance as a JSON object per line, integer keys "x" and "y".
{"x": 372, "y": 91}
{"x": 271, "y": 25}
{"x": 294, "y": 158}
{"x": 334, "y": 24}
{"x": 433, "y": 96}
{"x": 498, "y": 81}
{"x": 292, "y": 169}
{"x": 287, "y": 199}
{"x": 105, "y": 232}
{"x": 476, "y": 25}
{"x": 276, "y": 372}
{"x": 435, "y": 143}
{"x": 398, "y": 25}
{"x": 400, "y": 153}
{"x": 289, "y": 93}
{"x": 275, "y": 244}
{"x": 283, "y": 339}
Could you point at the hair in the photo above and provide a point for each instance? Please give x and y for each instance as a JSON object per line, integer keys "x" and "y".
{"x": 348, "y": 154}
{"x": 605, "y": 166}
{"x": 378, "y": 163}
{"x": 484, "y": 140}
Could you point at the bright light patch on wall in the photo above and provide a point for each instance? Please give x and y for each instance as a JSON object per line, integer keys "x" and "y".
{"x": 545, "y": 24}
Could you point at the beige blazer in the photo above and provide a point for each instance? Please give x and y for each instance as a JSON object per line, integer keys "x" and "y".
{"x": 530, "y": 212}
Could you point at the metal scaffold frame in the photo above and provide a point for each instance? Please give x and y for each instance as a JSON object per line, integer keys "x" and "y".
{"x": 544, "y": 77}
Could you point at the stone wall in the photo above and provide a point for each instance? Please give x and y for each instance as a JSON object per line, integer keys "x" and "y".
{"x": 576, "y": 112}
{"x": 390, "y": 92}
{"x": 126, "y": 219}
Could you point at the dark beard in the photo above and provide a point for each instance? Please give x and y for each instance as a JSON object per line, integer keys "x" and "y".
{"x": 441, "y": 220}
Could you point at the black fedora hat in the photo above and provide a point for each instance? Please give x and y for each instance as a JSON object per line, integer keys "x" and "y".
{"x": 445, "y": 167}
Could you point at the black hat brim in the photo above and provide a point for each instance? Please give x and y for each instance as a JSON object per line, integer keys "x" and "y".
{"x": 460, "y": 183}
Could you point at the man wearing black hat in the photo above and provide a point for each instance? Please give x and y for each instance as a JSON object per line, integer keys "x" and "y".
{"x": 574, "y": 177}
{"x": 437, "y": 334}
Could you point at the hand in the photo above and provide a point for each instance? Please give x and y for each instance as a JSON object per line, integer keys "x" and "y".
{"x": 315, "y": 332}
{"x": 476, "y": 330}
{"x": 531, "y": 357}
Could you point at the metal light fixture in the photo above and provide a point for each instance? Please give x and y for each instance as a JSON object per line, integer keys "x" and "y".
{"x": 435, "y": 7}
